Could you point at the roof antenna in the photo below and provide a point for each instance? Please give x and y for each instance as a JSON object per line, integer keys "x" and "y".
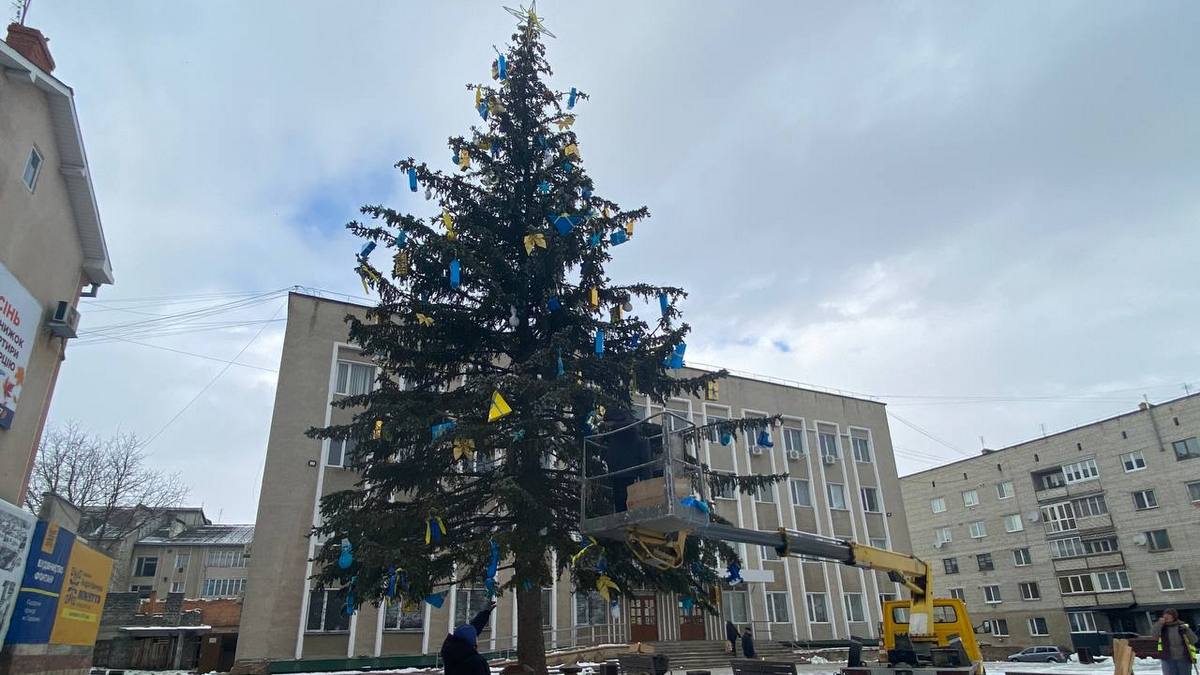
{"x": 22, "y": 7}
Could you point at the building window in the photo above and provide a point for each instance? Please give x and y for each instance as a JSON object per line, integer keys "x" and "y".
{"x": 801, "y": 493}
{"x": 793, "y": 440}
{"x": 870, "y": 500}
{"x": 1159, "y": 541}
{"x": 143, "y": 590}
{"x": 1090, "y": 506}
{"x": 942, "y": 535}
{"x": 401, "y": 615}
{"x": 861, "y": 446}
{"x": 1101, "y": 545}
{"x": 854, "y": 607}
{"x": 1030, "y": 590}
{"x": 1004, "y": 490}
{"x": 991, "y": 594}
{"x": 176, "y": 586}
{"x": 733, "y": 606}
{"x": 765, "y": 493}
{"x": 223, "y": 588}
{"x": 468, "y": 602}
{"x": 977, "y": 529}
{"x": 33, "y": 169}
{"x": 1059, "y": 517}
{"x": 1076, "y": 583}
{"x": 226, "y": 558}
{"x": 752, "y": 435}
{"x": 778, "y": 608}
{"x": 837, "y": 496}
{"x": 1065, "y": 548}
{"x": 1082, "y": 622}
{"x": 1037, "y": 626}
{"x": 999, "y": 627}
{"x": 818, "y": 609}
{"x": 1194, "y": 491}
{"x": 353, "y": 378}
{"x": 338, "y": 450}
{"x": 1188, "y": 448}
{"x": 714, "y": 434}
{"x": 1170, "y": 580}
{"x": 325, "y": 612}
{"x": 182, "y": 560}
{"x": 769, "y": 553}
{"x": 1079, "y": 472}
{"x": 1133, "y": 461}
{"x": 951, "y": 565}
{"x": 886, "y": 597}
{"x": 725, "y": 489}
{"x": 970, "y": 498}
{"x": 878, "y": 542}
{"x": 1012, "y": 523}
{"x": 984, "y": 561}
{"x": 1021, "y": 557}
{"x": 547, "y": 602}
{"x": 958, "y": 593}
{"x": 1144, "y": 499}
{"x": 827, "y": 440}
{"x": 1115, "y": 580}
{"x": 145, "y": 567}
{"x": 590, "y": 609}
{"x": 937, "y": 504}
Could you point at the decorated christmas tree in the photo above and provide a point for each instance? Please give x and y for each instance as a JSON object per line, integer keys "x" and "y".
{"x": 501, "y": 343}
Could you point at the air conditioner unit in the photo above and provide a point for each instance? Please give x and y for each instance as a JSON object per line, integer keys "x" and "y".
{"x": 1141, "y": 539}
{"x": 794, "y": 455}
{"x": 756, "y": 450}
{"x": 828, "y": 459}
{"x": 64, "y": 322}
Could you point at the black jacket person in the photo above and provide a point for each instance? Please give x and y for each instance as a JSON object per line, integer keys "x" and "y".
{"x": 623, "y": 450}
{"x": 460, "y": 652}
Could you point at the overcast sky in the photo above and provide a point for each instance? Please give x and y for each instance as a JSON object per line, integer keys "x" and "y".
{"x": 986, "y": 214}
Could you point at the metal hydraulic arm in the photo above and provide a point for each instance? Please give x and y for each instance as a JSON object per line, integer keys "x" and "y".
{"x": 914, "y": 573}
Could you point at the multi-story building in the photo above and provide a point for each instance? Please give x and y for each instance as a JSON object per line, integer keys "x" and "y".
{"x": 1062, "y": 539}
{"x": 51, "y": 244}
{"x": 842, "y": 483}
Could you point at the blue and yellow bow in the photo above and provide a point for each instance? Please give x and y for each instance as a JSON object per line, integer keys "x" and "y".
{"x": 435, "y": 529}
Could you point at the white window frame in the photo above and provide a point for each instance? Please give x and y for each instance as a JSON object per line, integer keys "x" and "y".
{"x": 830, "y": 448}
{"x": 1150, "y": 541}
{"x": 1133, "y": 461}
{"x": 1145, "y": 500}
{"x": 794, "y": 485}
{"x": 1005, "y": 489}
{"x": 1193, "y": 496}
{"x": 393, "y": 609}
{"x": 225, "y": 558}
{"x": 765, "y": 494}
{"x": 977, "y": 529}
{"x": 1013, "y": 518}
{"x": 958, "y": 592}
{"x": 779, "y": 607}
{"x": 35, "y": 161}
{"x": 1170, "y": 587}
{"x": 990, "y": 561}
{"x": 1076, "y": 583}
{"x": 222, "y": 587}
{"x": 810, "y": 605}
{"x": 861, "y": 448}
{"x": 742, "y": 606}
{"x": 770, "y": 554}
{"x": 327, "y": 595}
{"x": 996, "y": 623}
{"x": 1081, "y": 472}
{"x": 344, "y": 446}
{"x": 341, "y": 385}
{"x": 176, "y": 587}
{"x": 1022, "y": 560}
{"x": 140, "y": 564}
{"x": 1033, "y": 586}
{"x": 1069, "y": 547}
{"x": 1032, "y": 623}
{"x": 183, "y": 561}
{"x": 974, "y": 498}
{"x": 793, "y": 439}
{"x": 1082, "y": 622}
{"x": 937, "y": 502}
{"x": 1111, "y": 581}
{"x": 943, "y": 534}
{"x": 853, "y": 602}
{"x": 871, "y": 505}
{"x": 1059, "y": 517}
{"x": 879, "y": 542}
{"x": 991, "y": 594}
{"x": 845, "y": 506}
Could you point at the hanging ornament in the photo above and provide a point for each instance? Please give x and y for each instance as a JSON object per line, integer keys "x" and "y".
{"x": 412, "y": 180}
{"x": 544, "y": 187}
{"x": 535, "y": 240}
{"x": 687, "y": 604}
{"x": 629, "y": 227}
{"x": 558, "y": 364}
{"x": 599, "y": 347}
{"x": 365, "y": 252}
{"x": 571, "y": 99}
{"x": 614, "y": 314}
{"x": 493, "y": 564}
{"x": 585, "y": 193}
{"x": 499, "y": 407}
{"x": 502, "y": 67}
{"x": 664, "y": 304}
{"x": 553, "y": 304}
{"x": 438, "y": 430}
{"x": 617, "y": 238}
{"x": 400, "y": 264}
{"x": 634, "y": 340}
{"x": 594, "y": 298}
{"x": 448, "y": 221}
{"x": 764, "y": 439}
{"x": 464, "y": 159}
{"x": 565, "y": 223}
{"x": 513, "y": 319}
{"x": 565, "y": 122}
{"x": 463, "y": 448}
{"x": 726, "y": 438}
{"x": 604, "y": 212}
{"x": 676, "y": 360}
{"x": 377, "y": 432}
{"x": 691, "y": 501}
{"x": 455, "y": 274}
{"x": 735, "y": 574}
{"x": 346, "y": 558}
{"x": 348, "y": 608}
{"x": 428, "y": 193}
{"x": 424, "y": 319}
{"x": 478, "y": 96}
{"x": 496, "y": 106}
{"x": 571, "y": 150}
{"x": 482, "y": 108}
{"x": 591, "y": 541}
{"x": 567, "y": 166}
{"x": 436, "y": 600}
{"x": 435, "y": 529}
{"x": 595, "y": 239}
{"x": 541, "y": 141}
{"x": 605, "y": 587}
{"x": 400, "y": 240}
{"x": 391, "y": 586}
{"x": 627, "y": 306}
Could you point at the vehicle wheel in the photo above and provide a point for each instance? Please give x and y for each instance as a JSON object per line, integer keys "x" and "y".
{"x": 1051, "y": 660}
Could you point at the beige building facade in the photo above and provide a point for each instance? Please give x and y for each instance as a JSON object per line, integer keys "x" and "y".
{"x": 1066, "y": 539}
{"x": 51, "y": 243}
{"x": 842, "y": 482}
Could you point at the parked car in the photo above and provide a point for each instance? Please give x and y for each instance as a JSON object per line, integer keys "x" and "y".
{"x": 1040, "y": 655}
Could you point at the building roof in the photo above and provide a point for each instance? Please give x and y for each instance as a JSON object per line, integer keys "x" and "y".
{"x": 205, "y": 535}
{"x": 64, "y": 121}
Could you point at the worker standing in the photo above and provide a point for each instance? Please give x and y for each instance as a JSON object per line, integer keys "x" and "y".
{"x": 731, "y": 634}
{"x": 1176, "y": 643}
{"x": 748, "y": 644}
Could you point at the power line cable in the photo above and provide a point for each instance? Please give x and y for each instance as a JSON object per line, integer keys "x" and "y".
{"x": 929, "y": 435}
{"x": 199, "y": 356}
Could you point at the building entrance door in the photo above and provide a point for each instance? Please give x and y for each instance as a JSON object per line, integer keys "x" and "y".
{"x": 643, "y": 618}
{"x": 691, "y": 624}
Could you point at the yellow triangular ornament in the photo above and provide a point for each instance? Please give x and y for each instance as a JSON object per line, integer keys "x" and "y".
{"x": 499, "y": 408}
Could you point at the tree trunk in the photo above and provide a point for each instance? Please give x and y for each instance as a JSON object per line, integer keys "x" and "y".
{"x": 531, "y": 642}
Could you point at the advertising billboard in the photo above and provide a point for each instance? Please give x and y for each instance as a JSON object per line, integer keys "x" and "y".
{"x": 16, "y": 536}
{"x": 20, "y": 315}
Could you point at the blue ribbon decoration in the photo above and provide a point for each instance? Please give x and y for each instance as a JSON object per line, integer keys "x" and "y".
{"x": 692, "y": 502}
{"x": 559, "y": 371}
{"x": 735, "y": 574}
{"x": 599, "y": 343}
{"x": 544, "y": 187}
{"x": 677, "y": 356}
{"x": 664, "y": 304}
{"x": 595, "y": 239}
{"x": 412, "y": 179}
{"x": 401, "y": 239}
{"x": 502, "y": 66}
{"x": 687, "y": 603}
{"x": 346, "y": 559}
{"x": 483, "y": 110}
{"x": 436, "y": 599}
{"x": 455, "y": 274}
{"x": 764, "y": 439}
{"x": 366, "y": 250}
{"x": 634, "y": 340}
{"x": 617, "y": 238}
{"x": 553, "y": 304}
{"x": 391, "y": 587}
{"x": 493, "y": 565}
{"x": 571, "y": 99}
{"x": 440, "y": 429}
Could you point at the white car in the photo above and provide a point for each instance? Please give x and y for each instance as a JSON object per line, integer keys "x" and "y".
{"x": 1040, "y": 655}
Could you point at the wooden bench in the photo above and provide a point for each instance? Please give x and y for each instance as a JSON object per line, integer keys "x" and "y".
{"x": 644, "y": 664}
{"x": 755, "y": 667}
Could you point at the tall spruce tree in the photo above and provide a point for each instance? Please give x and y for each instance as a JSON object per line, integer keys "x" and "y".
{"x": 500, "y": 298}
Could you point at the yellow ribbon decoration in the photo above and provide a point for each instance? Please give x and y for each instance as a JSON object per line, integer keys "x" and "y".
{"x": 571, "y": 149}
{"x": 604, "y": 586}
{"x": 464, "y": 159}
{"x": 629, "y": 227}
{"x": 366, "y": 273}
{"x": 534, "y": 240}
{"x": 441, "y": 525}
{"x": 579, "y": 554}
{"x": 400, "y": 268}
{"x": 424, "y": 319}
{"x": 464, "y": 447}
{"x": 378, "y": 432}
{"x": 478, "y": 96}
{"x": 604, "y": 212}
{"x": 448, "y": 221}
{"x": 595, "y": 297}
{"x": 565, "y": 122}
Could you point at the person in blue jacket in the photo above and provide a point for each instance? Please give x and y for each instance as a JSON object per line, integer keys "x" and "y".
{"x": 460, "y": 650}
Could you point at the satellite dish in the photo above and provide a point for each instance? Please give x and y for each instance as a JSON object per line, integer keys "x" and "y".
{"x": 1140, "y": 539}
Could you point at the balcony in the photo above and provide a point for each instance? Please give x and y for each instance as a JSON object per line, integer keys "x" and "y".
{"x": 1114, "y": 600}
{"x": 1090, "y": 524}
{"x": 1070, "y": 491}
{"x": 1054, "y": 494}
{"x": 1093, "y": 561}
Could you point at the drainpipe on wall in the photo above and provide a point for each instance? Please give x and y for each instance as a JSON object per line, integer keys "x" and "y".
{"x": 1148, "y": 409}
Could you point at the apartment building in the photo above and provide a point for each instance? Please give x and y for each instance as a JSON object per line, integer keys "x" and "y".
{"x": 1065, "y": 538}
{"x": 842, "y": 482}
{"x": 51, "y": 244}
